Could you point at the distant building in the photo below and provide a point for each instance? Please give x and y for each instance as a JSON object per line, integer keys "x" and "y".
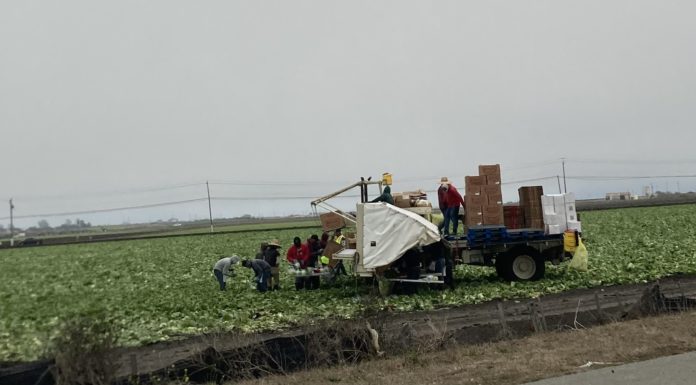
{"x": 648, "y": 191}
{"x": 618, "y": 196}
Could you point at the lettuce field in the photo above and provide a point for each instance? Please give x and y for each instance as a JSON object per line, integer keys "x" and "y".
{"x": 161, "y": 289}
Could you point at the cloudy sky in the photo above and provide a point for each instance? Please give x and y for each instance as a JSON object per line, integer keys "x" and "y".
{"x": 135, "y": 103}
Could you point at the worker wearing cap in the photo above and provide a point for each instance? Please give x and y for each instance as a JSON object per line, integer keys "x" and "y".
{"x": 271, "y": 255}
{"x": 298, "y": 256}
{"x": 262, "y": 272}
{"x": 223, "y": 269}
{"x": 453, "y": 200}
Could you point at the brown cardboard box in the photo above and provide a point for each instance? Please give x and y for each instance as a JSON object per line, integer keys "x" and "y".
{"x": 495, "y": 210}
{"x": 475, "y": 200}
{"x": 403, "y": 201}
{"x": 473, "y": 218}
{"x": 535, "y": 224}
{"x": 330, "y": 249}
{"x": 495, "y": 199}
{"x": 331, "y": 221}
{"x": 474, "y": 210}
{"x": 491, "y": 189}
{"x": 493, "y": 179}
{"x": 489, "y": 169}
{"x": 474, "y": 181}
{"x": 530, "y": 193}
{"x": 472, "y": 190}
{"x": 493, "y": 220}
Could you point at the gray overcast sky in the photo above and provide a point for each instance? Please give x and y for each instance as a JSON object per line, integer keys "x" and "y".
{"x": 98, "y": 97}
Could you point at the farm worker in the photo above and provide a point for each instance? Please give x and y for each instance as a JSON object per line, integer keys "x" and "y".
{"x": 298, "y": 256}
{"x": 454, "y": 199}
{"x": 385, "y": 197}
{"x": 324, "y": 239}
{"x": 339, "y": 238}
{"x": 262, "y": 272}
{"x": 262, "y": 250}
{"x": 442, "y": 203}
{"x": 271, "y": 256}
{"x": 223, "y": 269}
{"x": 315, "y": 252}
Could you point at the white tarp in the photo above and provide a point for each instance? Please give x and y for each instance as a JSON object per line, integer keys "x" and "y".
{"x": 393, "y": 231}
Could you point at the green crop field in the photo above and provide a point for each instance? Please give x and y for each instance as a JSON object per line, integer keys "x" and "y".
{"x": 160, "y": 289}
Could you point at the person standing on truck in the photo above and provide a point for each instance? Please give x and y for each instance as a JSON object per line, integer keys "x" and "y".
{"x": 385, "y": 197}
{"x": 271, "y": 256}
{"x": 298, "y": 256}
{"x": 442, "y": 204}
{"x": 453, "y": 199}
{"x": 262, "y": 272}
{"x": 223, "y": 269}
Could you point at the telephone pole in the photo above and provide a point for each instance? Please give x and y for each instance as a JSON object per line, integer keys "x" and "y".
{"x": 210, "y": 208}
{"x": 565, "y": 188}
{"x": 11, "y": 223}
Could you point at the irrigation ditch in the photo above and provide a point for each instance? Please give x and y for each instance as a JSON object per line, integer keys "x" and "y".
{"x": 227, "y": 356}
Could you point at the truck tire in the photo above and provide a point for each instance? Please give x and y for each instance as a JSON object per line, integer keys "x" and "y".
{"x": 521, "y": 264}
{"x": 449, "y": 273}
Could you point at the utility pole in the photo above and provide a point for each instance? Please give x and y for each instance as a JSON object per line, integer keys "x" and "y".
{"x": 565, "y": 188}
{"x": 11, "y": 223}
{"x": 558, "y": 179}
{"x": 210, "y": 208}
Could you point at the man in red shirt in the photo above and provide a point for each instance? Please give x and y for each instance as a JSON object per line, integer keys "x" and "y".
{"x": 298, "y": 255}
{"x": 453, "y": 199}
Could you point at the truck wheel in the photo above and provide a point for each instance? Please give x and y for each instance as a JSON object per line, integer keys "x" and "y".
{"x": 526, "y": 264}
{"x": 449, "y": 273}
{"x": 502, "y": 267}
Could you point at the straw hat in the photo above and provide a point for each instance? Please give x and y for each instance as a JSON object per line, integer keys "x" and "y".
{"x": 275, "y": 243}
{"x": 445, "y": 180}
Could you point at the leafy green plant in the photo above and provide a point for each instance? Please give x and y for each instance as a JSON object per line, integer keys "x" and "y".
{"x": 160, "y": 289}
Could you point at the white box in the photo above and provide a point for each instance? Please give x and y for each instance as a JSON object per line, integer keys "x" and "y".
{"x": 553, "y": 229}
{"x": 575, "y": 226}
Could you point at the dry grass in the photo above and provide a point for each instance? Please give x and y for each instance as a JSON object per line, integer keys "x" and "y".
{"x": 517, "y": 361}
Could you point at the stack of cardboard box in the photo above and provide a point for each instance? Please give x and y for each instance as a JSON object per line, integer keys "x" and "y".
{"x": 559, "y": 213}
{"x": 514, "y": 216}
{"x": 530, "y": 204}
{"x": 407, "y": 199}
{"x": 484, "y": 197}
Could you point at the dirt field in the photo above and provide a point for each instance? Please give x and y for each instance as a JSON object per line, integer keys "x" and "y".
{"x": 517, "y": 361}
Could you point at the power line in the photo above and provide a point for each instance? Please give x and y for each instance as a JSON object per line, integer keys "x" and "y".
{"x": 96, "y": 211}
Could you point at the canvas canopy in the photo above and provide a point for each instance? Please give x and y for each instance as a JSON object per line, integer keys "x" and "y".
{"x": 389, "y": 231}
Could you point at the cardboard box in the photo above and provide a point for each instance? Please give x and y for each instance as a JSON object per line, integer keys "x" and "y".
{"x": 493, "y": 220}
{"x": 331, "y": 249}
{"x": 489, "y": 169}
{"x": 474, "y": 180}
{"x": 472, "y": 190}
{"x": 495, "y": 199}
{"x": 535, "y": 224}
{"x": 574, "y": 226}
{"x": 530, "y": 193}
{"x": 403, "y": 201}
{"x": 475, "y": 200}
{"x": 494, "y": 210}
{"x": 493, "y": 179}
{"x": 474, "y": 218}
{"x": 474, "y": 210}
{"x": 331, "y": 221}
{"x": 553, "y": 229}
{"x": 491, "y": 189}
